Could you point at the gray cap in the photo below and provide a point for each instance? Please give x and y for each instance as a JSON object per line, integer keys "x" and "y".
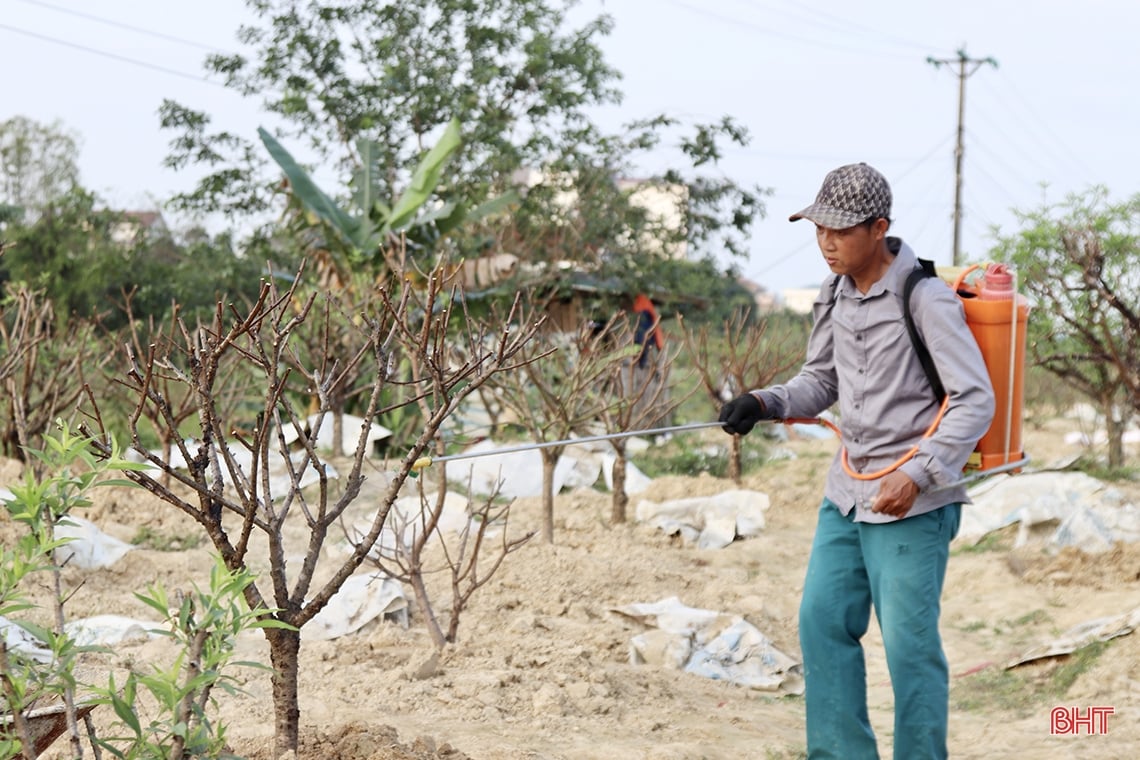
{"x": 850, "y": 195}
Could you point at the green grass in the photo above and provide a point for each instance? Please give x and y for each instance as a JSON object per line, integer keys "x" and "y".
{"x": 785, "y": 754}
{"x": 1024, "y": 689}
{"x": 1101, "y": 471}
{"x": 995, "y": 541}
{"x": 1076, "y": 664}
{"x": 1036, "y": 616}
{"x": 687, "y": 456}
{"x": 146, "y": 538}
{"x": 995, "y": 688}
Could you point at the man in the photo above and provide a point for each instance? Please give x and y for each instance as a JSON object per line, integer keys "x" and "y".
{"x": 647, "y": 332}
{"x": 884, "y": 527}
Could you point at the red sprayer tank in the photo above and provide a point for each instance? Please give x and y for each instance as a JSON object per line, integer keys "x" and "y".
{"x": 997, "y": 316}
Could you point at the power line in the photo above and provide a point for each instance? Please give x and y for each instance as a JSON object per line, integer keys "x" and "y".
{"x": 106, "y": 54}
{"x": 770, "y": 32}
{"x": 819, "y": 19}
{"x": 924, "y": 159}
{"x": 121, "y": 25}
{"x": 1037, "y": 126}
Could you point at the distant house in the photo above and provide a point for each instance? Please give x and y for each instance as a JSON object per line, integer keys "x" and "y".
{"x": 133, "y": 227}
{"x": 799, "y": 300}
{"x": 664, "y": 204}
{"x": 765, "y": 301}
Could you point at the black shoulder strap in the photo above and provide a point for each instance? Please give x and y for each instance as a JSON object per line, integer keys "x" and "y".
{"x": 834, "y": 291}
{"x": 924, "y": 270}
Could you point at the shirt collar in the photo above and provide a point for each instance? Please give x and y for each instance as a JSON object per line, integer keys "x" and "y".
{"x": 895, "y": 277}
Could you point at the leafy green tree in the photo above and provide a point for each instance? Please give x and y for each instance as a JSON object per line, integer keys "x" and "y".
{"x": 397, "y": 74}
{"x": 56, "y": 252}
{"x": 75, "y": 253}
{"x": 339, "y": 77}
{"x": 1079, "y": 261}
{"x": 37, "y": 163}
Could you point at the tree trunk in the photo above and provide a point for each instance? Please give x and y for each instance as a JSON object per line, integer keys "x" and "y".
{"x": 734, "y": 457}
{"x": 549, "y": 460}
{"x": 620, "y": 497}
{"x": 1114, "y": 431}
{"x": 284, "y": 656}
{"x": 338, "y": 433}
{"x": 423, "y": 603}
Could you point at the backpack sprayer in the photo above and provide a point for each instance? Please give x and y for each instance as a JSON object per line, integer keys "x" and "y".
{"x": 996, "y": 315}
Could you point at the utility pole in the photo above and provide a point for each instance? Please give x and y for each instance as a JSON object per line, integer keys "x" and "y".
{"x": 966, "y": 67}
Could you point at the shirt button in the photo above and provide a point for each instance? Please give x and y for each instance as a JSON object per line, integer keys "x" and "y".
{"x": 860, "y": 371}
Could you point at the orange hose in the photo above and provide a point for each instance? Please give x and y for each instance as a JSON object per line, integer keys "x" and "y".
{"x": 889, "y": 468}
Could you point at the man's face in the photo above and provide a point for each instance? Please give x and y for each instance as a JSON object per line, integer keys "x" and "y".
{"x": 854, "y": 250}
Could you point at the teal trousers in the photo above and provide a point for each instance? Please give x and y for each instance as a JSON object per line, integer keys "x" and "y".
{"x": 897, "y": 569}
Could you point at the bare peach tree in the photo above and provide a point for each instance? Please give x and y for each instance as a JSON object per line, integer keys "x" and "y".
{"x": 180, "y": 405}
{"x": 425, "y": 541}
{"x": 43, "y": 368}
{"x": 745, "y": 356}
{"x": 558, "y": 391}
{"x": 244, "y": 477}
{"x": 640, "y": 397}
{"x": 427, "y": 536}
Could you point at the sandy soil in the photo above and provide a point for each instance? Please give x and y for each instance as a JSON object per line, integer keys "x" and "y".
{"x": 542, "y": 667}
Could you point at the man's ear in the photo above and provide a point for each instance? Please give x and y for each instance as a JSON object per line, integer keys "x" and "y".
{"x": 879, "y": 228}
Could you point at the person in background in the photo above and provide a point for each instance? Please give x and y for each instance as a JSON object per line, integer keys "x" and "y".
{"x": 647, "y": 332}
{"x": 886, "y": 520}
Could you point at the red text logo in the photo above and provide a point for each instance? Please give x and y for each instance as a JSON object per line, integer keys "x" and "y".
{"x": 1073, "y": 720}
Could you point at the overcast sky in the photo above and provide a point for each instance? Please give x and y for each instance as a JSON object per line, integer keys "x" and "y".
{"x": 818, "y": 83}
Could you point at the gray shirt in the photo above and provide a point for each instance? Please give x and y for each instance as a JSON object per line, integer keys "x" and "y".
{"x": 860, "y": 355}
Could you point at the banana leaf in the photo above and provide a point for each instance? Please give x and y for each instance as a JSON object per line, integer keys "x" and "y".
{"x": 307, "y": 191}
{"x": 424, "y": 179}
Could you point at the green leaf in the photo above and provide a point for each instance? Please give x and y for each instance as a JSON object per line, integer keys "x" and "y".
{"x": 364, "y": 182}
{"x": 159, "y": 602}
{"x": 425, "y": 178}
{"x": 308, "y": 193}
{"x": 494, "y": 206}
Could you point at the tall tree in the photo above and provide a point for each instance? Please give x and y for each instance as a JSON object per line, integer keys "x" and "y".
{"x": 1080, "y": 262}
{"x": 58, "y": 252}
{"x": 37, "y": 163}
{"x": 396, "y": 74}
{"x": 336, "y": 77}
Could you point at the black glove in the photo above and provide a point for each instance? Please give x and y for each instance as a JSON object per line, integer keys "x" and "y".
{"x": 741, "y": 414}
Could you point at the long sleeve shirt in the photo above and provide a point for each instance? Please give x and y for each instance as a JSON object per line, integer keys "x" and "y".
{"x": 861, "y": 356}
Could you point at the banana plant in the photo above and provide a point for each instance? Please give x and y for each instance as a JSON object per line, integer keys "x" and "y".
{"x": 370, "y": 224}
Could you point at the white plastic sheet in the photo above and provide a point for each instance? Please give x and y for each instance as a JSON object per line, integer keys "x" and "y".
{"x": 89, "y": 547}
{"x": 712, "y": 522}
{"x": 19, "y": 639}
{"x": 111, "y": 630}
{"x": 362, "y": 598}
{"x": 1081, "y": 635}
{"x": 1051, "y": 509}
{"x": 351, "y": 426}
{"x": 710, "y": 644}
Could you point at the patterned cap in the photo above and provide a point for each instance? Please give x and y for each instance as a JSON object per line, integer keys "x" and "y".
{"x": 850, "y": 195}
